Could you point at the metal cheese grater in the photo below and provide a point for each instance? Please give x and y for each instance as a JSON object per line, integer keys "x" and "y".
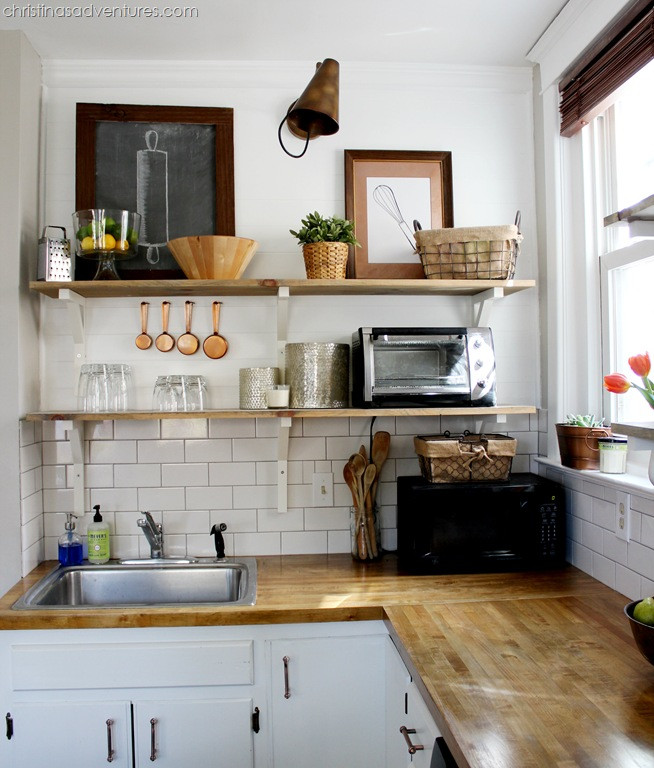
{"x": 54, "y": 263}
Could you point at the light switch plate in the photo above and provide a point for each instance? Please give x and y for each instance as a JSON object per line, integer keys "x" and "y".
{"x": 323, "y": 489}
{"x": 622, "y": 515}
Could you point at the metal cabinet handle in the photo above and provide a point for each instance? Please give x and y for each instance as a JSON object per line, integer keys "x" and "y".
{"x": 153, "y": 739}
{"x": 413, "y": 748}
{"x": 110, "y": 748}
{"x": 287, "y": 689}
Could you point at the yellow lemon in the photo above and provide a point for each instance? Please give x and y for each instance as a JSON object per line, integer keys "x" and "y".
{"x": 87, "y": 244}
{"x": 108, "y": 242}
{"x": 122, "y": 245}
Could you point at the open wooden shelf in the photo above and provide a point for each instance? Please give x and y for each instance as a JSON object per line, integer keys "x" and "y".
{"x": 300, "y": 413}
{"x": 269, "y": 287}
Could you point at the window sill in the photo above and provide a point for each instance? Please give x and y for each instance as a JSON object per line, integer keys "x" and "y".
{"x": 632, "y": 483}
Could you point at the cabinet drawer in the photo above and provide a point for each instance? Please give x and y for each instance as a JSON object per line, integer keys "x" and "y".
{"x": 132, "y": 665}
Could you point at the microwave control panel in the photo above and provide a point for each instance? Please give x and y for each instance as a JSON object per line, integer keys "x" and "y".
{"x": 549, "y": 536}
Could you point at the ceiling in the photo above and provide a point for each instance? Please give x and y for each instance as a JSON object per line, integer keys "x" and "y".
{"x": 467, "y": 32}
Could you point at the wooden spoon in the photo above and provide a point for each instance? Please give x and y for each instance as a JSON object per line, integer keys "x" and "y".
{"x": 164, "y": 341}
{"x": 188, "y": 343}
{"x": 215, "y": 345}
{"x": 381, "y": 442}
{"x": 368, "y": 478}
{"x": 143, "y": 340}
{"x": 354, "y": 484}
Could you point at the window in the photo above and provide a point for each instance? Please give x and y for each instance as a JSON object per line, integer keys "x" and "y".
{"x": 623, "y": 158}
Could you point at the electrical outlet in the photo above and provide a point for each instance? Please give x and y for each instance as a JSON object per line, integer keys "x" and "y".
{"x": 323, "y": 489}
{"x": 622, "y": 507}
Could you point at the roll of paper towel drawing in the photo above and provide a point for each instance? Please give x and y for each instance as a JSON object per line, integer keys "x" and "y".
{"x": 152, "y": 195}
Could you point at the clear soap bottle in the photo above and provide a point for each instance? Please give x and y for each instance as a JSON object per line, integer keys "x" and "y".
{"x": 70, "y": 545}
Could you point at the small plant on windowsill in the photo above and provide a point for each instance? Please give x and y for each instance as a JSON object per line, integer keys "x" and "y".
{"x": 325, "y": 245}
{"x": 577, "y": 437}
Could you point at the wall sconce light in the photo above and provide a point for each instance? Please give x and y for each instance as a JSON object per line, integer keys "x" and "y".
{"x": 315, "y": 113}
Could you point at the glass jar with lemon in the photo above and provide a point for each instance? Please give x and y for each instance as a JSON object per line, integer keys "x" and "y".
{"x": 106, "y": 235}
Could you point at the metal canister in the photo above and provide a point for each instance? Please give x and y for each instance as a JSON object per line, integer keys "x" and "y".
{"x": 54, "y": 260}
{"x": 254, "y": 384}
{"x": 318, "y": 374}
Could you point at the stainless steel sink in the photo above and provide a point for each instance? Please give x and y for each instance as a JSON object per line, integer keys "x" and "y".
{"x": 150, "y": 582}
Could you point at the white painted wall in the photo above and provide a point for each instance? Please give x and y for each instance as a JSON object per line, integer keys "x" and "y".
{"x": 20, "y": 87}
{"x": 195, "y": 472}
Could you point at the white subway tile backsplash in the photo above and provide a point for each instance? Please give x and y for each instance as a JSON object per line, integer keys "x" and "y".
{"x": 260, "y": 496}
{"x": 30, "y": 456}
{"x": 136, "y": 475}
{"x": 184, "y": 428}
{"x": 233, "y": 473}
{"x": 58, "y": 500}
{"x": 112, "y": 451}
{"x": 100, "y": 430}
{"x": 31, "y": 481}
{"x": 236, "y": 520}
{"x": 304, "y": 542}
{"x": 31, "y": 508}
{"x": 238, "y": 428}
{"x": 272, "y": 520}
{"x": 338, "y": 542}
{"x": 115, "y": 499}
{"x": 257, "y": 449}
{"x": 161, "y": 498}
{"x": 303, "y": 448}
{"x": 139, "y": 429}
{"x": 210, "y": 497}
{"x": 208, "y": 450}
{"x": 96, "y": 476}
{"x": 327, "y": 518}
{"x": 185, "y": 521}
{"x": 160, "y": 451}
{"x": 57, "y": 453}
{"x": 184, "y": 474}
{"x": 251, "y": 544}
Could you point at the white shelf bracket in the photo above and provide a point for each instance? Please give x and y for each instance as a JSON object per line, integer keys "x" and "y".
{"x": 76, "y": 306}
{"x": 75, "y": 431}
{"x": 282, "y": 463}
{"x": 482, "y": 305}
{"x": 282, "y": 329}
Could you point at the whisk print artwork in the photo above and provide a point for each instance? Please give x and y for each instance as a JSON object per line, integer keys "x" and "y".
{"x": 389, "y": 195}
{"x": 394, "y": 204}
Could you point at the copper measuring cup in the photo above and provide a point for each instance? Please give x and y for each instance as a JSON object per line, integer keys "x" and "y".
{"x": 215, "y": 346}
{"x": 164, "y": 341}
{"x": 188, "y": 343}
{"x": 143, "y": 340}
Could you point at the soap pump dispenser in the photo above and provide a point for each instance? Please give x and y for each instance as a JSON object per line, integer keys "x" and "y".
{"x": 70, "y": 544}
{"x": 97, "y": 535}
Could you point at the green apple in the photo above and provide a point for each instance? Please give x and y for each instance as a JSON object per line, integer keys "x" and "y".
{"x": 644, "y": 611}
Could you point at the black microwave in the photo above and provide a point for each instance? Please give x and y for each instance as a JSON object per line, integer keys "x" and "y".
{"x": 479, "y": 527}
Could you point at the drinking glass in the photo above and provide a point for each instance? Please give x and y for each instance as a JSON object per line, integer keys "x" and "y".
{"x": 92, "y": 388}
{"x": 166, "y": 394}
{"x": 180, "y": 393}
{"x": 119, "y": 387}
{"x": 193, "y": 393}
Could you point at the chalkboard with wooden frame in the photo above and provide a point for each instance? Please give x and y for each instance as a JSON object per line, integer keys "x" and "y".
{"x": 173, "y": 165}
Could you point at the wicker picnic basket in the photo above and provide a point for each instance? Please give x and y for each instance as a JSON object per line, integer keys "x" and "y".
{"x": 463, "y": 458}
{"x": 470, "y": 253}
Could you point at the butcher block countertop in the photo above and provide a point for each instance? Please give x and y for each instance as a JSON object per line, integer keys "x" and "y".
{"x": 519, "y": 670}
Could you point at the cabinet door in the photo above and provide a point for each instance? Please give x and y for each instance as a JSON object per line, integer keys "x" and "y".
{"x": 397, "y": 687}
{"x": 212, "y": 734}
{"x": 66, "y": 733}
{"x": 420, "y": 720}
{"x": 328, "y": 702}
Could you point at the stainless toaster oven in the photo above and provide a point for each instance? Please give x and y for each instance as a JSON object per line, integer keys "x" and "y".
{"x": 423, "y": 366}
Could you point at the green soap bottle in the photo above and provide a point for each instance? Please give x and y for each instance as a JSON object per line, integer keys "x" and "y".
{"x": 97, "y": 535}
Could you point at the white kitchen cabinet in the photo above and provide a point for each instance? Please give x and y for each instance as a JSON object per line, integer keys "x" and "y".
{"x": 327, "y": 702}
{"x": 69, "y": 733}
{"x": 207, "y": 734}
{"x": 172, "y": 733}
{"x": 410, "y": 729}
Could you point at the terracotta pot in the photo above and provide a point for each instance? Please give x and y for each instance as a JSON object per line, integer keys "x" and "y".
{"x": 578, "y": 446}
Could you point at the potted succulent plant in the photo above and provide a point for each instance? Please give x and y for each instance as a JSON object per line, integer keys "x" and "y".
{"x": 577, "y": 437}
{"x": 325, "y": 245}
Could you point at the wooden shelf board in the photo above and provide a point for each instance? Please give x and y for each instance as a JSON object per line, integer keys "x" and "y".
{"x": 641, "y": 211}
{"x": 302, "y": 413}
{"x": 269, "y": 287}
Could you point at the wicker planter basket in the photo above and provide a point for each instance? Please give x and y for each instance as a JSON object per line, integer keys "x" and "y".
{"x": 463, "y": 458}
{"x": 470, "y": 253}
{"x": 325, "y": 260}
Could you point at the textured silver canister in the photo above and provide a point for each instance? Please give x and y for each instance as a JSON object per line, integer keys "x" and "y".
{"x": 253, "y": 386}
{"x": 318, "y": 374}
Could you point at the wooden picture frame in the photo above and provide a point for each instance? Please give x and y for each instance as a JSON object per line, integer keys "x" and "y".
{"x": 382, "y": 188}
{"x": 176, "y": 163}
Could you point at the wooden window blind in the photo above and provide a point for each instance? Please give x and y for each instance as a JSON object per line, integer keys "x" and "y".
{"x": 626, "y": 47}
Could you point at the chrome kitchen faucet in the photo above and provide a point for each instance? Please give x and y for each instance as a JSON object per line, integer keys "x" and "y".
{"x": 153, "y": 533}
